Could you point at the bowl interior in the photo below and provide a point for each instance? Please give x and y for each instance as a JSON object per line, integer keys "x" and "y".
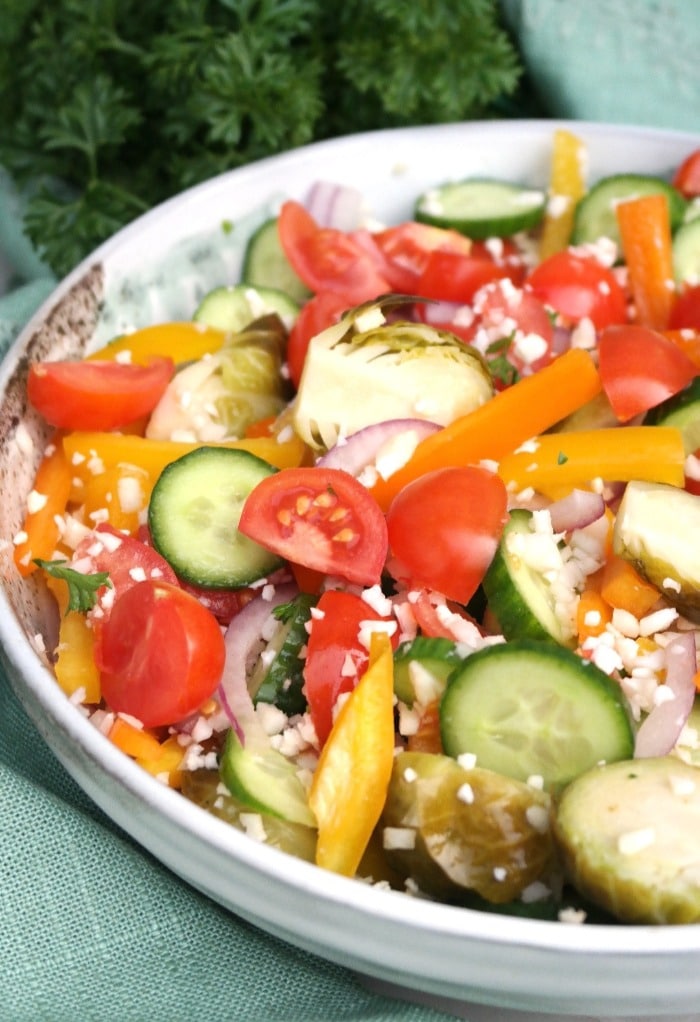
{"x": 155, "y": 270}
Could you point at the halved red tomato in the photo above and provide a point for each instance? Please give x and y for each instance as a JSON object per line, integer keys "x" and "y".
{"x": 640, "y": 368}
{"x": 426, "y": 610}
{"x": 444, "y": 528}
{"x": 336, "y": 657}
{"x": 320, "y": 518}
{"x": 452, "y": 277}
{"x": 321, "y": 311}
{"x": 506, "y": 311}
{"x": 160, "y": 653}
{"x": 685, "y": 312}
{"x": 97, "y": 395}
{"x": 127, "y": 560}
{"x": 579, "y": 286}
{"x": 687, "y": 177}
{"x": 406, "y": 248}
{"x": 327, "y": 259}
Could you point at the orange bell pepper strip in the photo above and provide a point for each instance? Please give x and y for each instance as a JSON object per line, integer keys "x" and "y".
{"x": 90, "y": 453}
{"x": 567, "y": 184}
{"x": 167, "y": 764}
{"x": 557, "y": 462}
{"x": 689, "y": 343}
{"x": 40, "y": 531}
{"x": 592, "y": 615}
{"x": 349, "y": 787}
{"x": 182, "y": 341}
{"x": 624, "y": 588}
{"x": 529, "y": 407}
{"x": 137, "y": 742}
{"x": 645, "y": 232}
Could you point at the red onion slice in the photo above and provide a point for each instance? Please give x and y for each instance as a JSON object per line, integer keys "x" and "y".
{"x": 243, "y": 638}
{"x": 334, "y": 205}
{"x": 361, "y": 449}
{"x": 660, "y": 730}
{"x": 576, "y": 510}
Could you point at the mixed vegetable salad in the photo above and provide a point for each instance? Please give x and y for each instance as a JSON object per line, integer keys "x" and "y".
{"x": 389, "y": 556}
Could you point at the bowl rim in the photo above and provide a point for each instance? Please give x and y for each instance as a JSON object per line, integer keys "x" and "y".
{"x": 37, "y": 689}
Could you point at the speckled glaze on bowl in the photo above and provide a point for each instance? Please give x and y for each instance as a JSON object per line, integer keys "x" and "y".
{"x": 154, "y": 270}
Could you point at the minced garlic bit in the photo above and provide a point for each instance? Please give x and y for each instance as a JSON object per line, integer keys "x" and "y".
{"x": 465, "y": 793}
{"x": 399, "y": 838}
{"x": 467, "y": 760}
{"x": 36, "y": 501}
{"x": 635, "y": 841}
{"x": 572, "y": 915}
{"x": 253, "y": 825}
{"x": 538, "y": 818}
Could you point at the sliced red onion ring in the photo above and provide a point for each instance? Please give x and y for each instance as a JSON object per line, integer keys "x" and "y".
{"x": 661, "y": 729}
{"x": 334, "y": 205}
{"x": 242, "y": 638}
{"x": 576, "y": 510}
{"x": 356, "y": 452}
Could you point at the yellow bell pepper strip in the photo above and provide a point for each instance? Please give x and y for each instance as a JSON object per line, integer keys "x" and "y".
{"x": 557, "y": 462}
{"x": 528, "y": 408}
{"x": 75, "y": 666}
{"x": 40, "y": 533}
{"x": 167, "y": 764}
{"x": 122, "y": 491}
{"x": 567, "y": 184}
{"x": 90, "y": 453}
{"x": 349, "y": 787}
{"x": 182, "y": 341}
{"x": 645, "y": 232}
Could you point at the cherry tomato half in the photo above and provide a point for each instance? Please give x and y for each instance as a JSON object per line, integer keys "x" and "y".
{"x": 406, "y": 248}
{"x": 640, "y": 368}
{"x": 444, "y": 528}
{"x": 321, "y": 311}
{"x": 160, "y": 653}
{"x": 320, "y": 518}
{"x": 577, "y": 287}
{"x": 687, "y": 176}
{"x": 127, "y": 560}
{"x": 328, "y": 259}
{"x": 336, "y": 657}
{"x": 97, "y": 395}
{"x": 685, "y": 313}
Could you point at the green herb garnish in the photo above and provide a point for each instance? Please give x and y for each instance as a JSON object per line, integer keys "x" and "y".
{"x": 82, "y": 589}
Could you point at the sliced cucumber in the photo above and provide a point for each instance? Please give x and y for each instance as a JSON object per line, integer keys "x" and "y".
{"x": 482, "y": 208}
{"x": 193, "y": 517}
{"x": 235, "y": 307}
{"x": 265, "y": 781}
{"x": 265, "y": 264}
{"x": 421, "y": 668}
{"x": 682, "y": 411}
{"x": 278, "y": 675}
{"x": 686, "y": 252}
{"x": 529, "y": 708}
{"x": 521, "y": 598}
{"x": 595, "y": 213}
{"x": 629, "y": 833}
{"x": 656, "y": 528}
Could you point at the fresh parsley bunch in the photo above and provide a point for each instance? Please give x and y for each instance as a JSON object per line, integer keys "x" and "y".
{"x": 108, "y": 107}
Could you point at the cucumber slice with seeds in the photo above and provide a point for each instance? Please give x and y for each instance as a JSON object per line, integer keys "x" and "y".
{"x": 595, "y": 213}
{"x": 265, "y": 781}
{"x": 529, "y": 708}
{"x": 265, "y": 265}
{"x": 421, "y": 668}
{"x": 482, "y": 208}
{"x": 194, "y": 512}
{"x": 521, "y": 598}
{"x": 234, "y": 308}
{"x": 686, "y": 252}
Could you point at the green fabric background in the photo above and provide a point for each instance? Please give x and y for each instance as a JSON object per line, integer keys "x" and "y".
{"x": 91, "y": 927}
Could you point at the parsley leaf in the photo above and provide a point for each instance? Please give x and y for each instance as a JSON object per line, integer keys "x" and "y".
{"x": 82, "y": 589}
{"x": 113, "y": 106}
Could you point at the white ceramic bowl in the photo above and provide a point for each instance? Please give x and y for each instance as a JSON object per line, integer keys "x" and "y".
{"x": 156, "y": 269}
